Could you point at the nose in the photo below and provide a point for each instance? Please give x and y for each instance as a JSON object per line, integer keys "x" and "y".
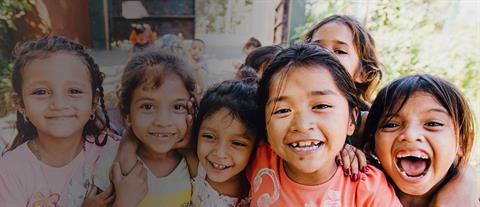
{"x": 163, "y": 118}
{"x": 221, "y": 149}
{"x": 59, "y": 101}
{"x": 303, "y": 121}
{"x": 412, "y": 133}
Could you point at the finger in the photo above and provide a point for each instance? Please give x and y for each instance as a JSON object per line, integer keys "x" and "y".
{"x": 107, "y": 193}
{"x": 362, "y": 161}
{"x": 92, "y": 191}
{"x": 116, "y": 173}
{"x": 346, "y": 162}
{"x": 354, "y": 169}
{"x": 137, "y": 169}
{"x": 110, "y": 199}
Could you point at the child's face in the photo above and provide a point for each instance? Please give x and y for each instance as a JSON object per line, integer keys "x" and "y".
{"x": 197, "y": 49}
{"x": 57, "y": 95}
{"x": 418, "y": 145}
{"x": 224, "y": 146}
{"x": 338, "y": 38}
{"x": 307, "y": 123}
{"x": 158, "y": 115}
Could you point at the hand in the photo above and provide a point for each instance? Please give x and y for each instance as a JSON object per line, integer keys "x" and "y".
{"x": 102, "y": 199}
{"x": 184, "y": 144}
{"x": 127, "y": 151}
{"x": 137, "y": 180}
{"x": 352, "y": 159}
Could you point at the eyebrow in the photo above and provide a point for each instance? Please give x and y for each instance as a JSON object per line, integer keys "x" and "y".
{"x": 326, "y": 92}
{"x": 336, "y": 41}
{"x": 439, "y": 110}
{"x": 237, "y": 135}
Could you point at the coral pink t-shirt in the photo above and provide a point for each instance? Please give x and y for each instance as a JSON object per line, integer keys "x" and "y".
{"x": 26, "y": 181}
{"x": 270, "y": 186}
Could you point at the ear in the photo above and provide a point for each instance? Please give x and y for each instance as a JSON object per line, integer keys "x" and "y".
{"x": 351, "y": 122}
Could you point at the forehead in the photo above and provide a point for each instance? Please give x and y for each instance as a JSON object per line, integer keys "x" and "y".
{"x": 421, "y": 102}
{"x": 302, "y": 80}
{"x": 224, "y": 122}
{"x": 61, "y": 66}
{"x": 170, "y": 86}
{"x": 334, "y": 32}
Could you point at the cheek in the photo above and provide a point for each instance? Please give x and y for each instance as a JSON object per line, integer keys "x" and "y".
{"x": 383, "y": 146}
{"x": 202, "y": 149}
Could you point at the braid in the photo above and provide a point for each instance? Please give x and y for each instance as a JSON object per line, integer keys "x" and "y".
{"x": 107, "y": 119}
{"x": 97, "y": 80}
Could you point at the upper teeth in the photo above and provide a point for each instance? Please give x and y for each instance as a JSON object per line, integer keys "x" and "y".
{"x": 305, "y": 143}
{"x": 220, "y": 166}
{"x": 417, "y": 155}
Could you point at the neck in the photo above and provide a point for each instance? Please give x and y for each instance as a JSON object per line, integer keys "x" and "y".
{"x": 411, "y": 200}
{"x": 317, "y": 177}
{"x": 147, "y": 154}
{"x": 160, "y": 164}
{"x": 233, "y": 187}
{"x": 56, "y": 152}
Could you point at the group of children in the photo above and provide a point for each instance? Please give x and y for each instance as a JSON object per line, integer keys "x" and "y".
{"x": 281, "y": 136}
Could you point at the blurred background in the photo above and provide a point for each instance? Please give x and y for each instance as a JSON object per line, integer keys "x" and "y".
{"x": 440, "y": 37}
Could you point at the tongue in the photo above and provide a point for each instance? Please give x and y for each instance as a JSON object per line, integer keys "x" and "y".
{"x": 413, "y": 167}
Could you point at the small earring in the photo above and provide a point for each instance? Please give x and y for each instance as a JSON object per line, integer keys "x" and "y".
{"x": 92, "y": 116}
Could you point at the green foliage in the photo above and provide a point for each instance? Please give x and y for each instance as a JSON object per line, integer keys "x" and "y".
{"x": 220, "y": 16}
{"x": 11, "y": 10}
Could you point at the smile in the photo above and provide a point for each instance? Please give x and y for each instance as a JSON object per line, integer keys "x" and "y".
{"x": 413, "y": 165}
{"x": 217, "y": 166}
{"x": 306, "y": 146}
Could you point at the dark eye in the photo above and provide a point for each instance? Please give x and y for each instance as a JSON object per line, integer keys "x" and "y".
{"x": 40, "y": 92}
{"x": 238, "y": 143}
{"x": 434, "y": 124}
{"x": 390, "y": 125}
{"x": 321, "y": 106}
{"x": 180, "y": 107}
{"x": 207, "y": 137}
{"x": 281, "y": 111}
{"x": 340, "y": 52}
{"x": 75, "y": 91}
{"x": 146, "y": 106}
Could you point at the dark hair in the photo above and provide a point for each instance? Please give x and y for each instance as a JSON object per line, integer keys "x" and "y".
{"x": 393, "y": 97}
{"x": 252, "y": 42}
{"x": 365, "y": 46}
{"x": 304, "y": 55}
{"x": 259, "y": 58}
{"x": 198, "y": 40}
{"x": 45, "y": 47}
{"x": 237, "y": 97}
{"x": 151, "y": 68}
{"x": 247, "y": 74}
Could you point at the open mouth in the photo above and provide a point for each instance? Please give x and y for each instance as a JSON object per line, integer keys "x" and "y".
{"x": 413, "y": 165}
{"x": 305, "y": 146}
{"x": 217, "y": 166}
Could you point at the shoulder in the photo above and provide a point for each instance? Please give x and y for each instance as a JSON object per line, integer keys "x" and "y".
{"x": 16, "y": 157}
{"x": 374, "y": 189}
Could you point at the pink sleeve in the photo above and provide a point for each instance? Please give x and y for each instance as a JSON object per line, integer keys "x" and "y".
{"x": 374, "y": 190}
{"x": 11, "y": 193}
